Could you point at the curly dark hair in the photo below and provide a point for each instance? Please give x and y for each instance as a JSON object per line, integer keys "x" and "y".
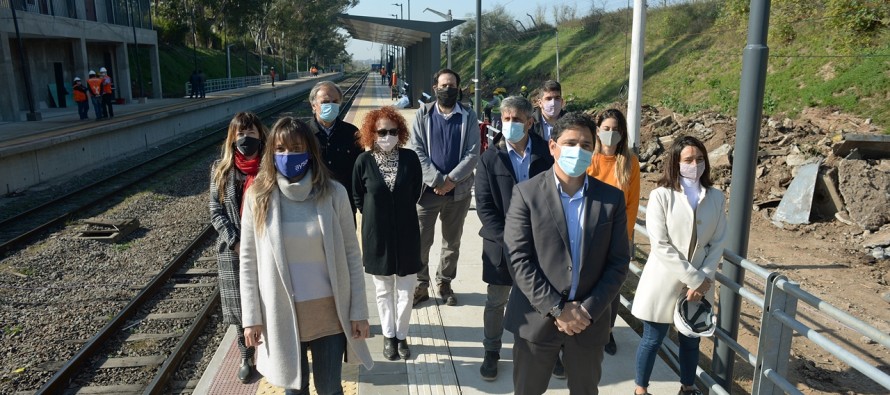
{"x": 367, "y": 134}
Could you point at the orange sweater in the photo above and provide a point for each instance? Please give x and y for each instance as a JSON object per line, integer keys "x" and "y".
{"x": 602, "y": 168}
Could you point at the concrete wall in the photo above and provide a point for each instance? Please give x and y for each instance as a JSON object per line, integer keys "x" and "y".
{"x": 50, "y": 160}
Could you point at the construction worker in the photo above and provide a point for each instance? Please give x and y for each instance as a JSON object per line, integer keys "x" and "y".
{"x": 523, "y": 91}
{"x": 95, "y": 85}
{"x": 80, "y": 97}
{"x": 107, "y": 93}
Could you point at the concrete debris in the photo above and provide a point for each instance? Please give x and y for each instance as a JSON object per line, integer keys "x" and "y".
{"x": 865, "y": 189}
{"x": 797, "y": 202}
{"x": 721, "y": 156}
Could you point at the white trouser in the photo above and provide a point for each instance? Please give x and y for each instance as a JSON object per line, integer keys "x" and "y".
{"x": 394, "y": 302}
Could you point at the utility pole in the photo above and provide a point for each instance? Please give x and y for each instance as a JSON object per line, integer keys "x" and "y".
{"x": 32, "y": 115}
{"x": 754, "y": 62}
{"x": 635, "y": 86}
{"x": 557, "y": 54}
{"x": 136, "y": 46}
{"x": 477, "y": 93}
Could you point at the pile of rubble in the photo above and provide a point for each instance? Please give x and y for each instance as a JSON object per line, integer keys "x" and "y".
{"x": 822, "y": 167}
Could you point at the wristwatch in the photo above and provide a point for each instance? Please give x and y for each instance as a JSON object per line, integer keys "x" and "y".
{"x": 555, "y": 311}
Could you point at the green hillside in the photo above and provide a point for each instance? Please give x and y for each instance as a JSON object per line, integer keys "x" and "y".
{"x": 693, "y": 55}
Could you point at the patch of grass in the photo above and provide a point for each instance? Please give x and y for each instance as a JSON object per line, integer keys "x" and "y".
{"x": 699, "y": 65}
{"x": 123, "y": 246}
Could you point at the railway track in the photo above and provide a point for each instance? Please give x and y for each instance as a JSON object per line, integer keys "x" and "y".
{"x": 18, "y": 229}
{"x": 139, "y": 350}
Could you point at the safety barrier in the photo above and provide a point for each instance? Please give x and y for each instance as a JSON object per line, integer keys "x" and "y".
{"x": 778, "y": 323}
{"x": 223, "y": 84}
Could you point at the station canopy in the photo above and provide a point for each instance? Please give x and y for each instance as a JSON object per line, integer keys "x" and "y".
{"x": 398, "y": 32}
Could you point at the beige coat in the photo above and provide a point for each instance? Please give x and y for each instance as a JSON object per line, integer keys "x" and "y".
{"x": 266, "y": 286}
{"x": 669, "y": 221}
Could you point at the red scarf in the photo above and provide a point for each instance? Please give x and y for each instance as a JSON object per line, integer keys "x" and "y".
{"x": 247, "y": 166}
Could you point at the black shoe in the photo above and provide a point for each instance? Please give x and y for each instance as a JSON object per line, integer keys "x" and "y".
{"x": 245, "y": 371}
{"x": 611, "y": 348}
{"x": 489, "y": 368}
{"x": 447, "y": 294}
{"x": 404, "y": 351}
{"x": 389, "y": 348}
{"x": 689, "y": 392}
{"x": 421, "y": 294}
{"x": 559, "y": 371}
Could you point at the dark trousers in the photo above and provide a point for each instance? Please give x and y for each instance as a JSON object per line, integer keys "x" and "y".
{"x": 97, "y": 106}
{"x": 533, "y": 364}
{"x": 327, "y": 361}
{"x": 83, "y": 109}
{"x": 106, "y": 104}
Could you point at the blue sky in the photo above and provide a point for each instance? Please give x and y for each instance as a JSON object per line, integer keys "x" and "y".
{"x": 460, "y": 9}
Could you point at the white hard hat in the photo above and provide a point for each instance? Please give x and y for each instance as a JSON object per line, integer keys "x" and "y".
{"x": 103, "y": 70}
{"x": 694, "y": 319}
{"x": 76, "y": 79}
{"x": 93, "y": 72}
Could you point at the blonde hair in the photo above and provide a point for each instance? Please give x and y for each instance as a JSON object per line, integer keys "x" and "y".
{"x": 622, "y": 151}
{"x": 241, "y": 121}
{"x": 292, "y": 133}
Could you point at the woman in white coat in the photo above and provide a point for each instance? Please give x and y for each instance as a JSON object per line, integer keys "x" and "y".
{"x": 302, "y": 283}
{"x": 686, "y": 224}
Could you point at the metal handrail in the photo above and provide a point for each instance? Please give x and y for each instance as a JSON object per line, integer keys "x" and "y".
{"x": 773, "y": 310}
{"x": 223, "y": 84}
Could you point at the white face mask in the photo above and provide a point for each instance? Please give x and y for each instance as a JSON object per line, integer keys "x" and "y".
{"x": 387, "y": 143}
{"x": 609, "y": 138}
{"x": 694, "y": 172}
{"x": 552, "y": 107}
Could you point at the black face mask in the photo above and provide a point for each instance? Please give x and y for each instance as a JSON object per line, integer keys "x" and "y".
{"x": 248, "y": 146}
{"x": 447, "y": 96}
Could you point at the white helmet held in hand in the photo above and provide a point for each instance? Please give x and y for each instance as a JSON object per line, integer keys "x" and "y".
{"x": 694, "y": 319}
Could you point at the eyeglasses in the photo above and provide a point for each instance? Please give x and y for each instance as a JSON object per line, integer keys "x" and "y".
{"x": 392, "y": 132}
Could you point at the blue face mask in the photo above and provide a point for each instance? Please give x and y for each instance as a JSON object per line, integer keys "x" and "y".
{"x": 293, "y": 164}
{"x": 328, "y": 111}
{"x": 573, "y": 160}
{"x": 513, "y": 131}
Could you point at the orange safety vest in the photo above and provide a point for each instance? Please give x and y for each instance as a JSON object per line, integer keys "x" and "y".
{"x": 106, "y": 85}
{"x": 95, "y": 86}
{"x": 79, "y": 95}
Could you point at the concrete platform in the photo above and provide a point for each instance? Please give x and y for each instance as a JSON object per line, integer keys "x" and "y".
{"x": 446, "y": 341}
{"x": 61, "y": 144}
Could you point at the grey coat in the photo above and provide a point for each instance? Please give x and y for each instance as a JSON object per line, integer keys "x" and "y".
{"x": 226, "y": 219}
{"x": 266, "y": 286}
{"x": 470, "y": 138}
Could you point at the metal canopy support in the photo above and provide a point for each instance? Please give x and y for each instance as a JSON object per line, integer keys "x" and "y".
{"x": 419, "y": 38}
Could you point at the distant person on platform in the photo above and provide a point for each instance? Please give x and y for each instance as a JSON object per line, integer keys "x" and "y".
{"x": 80, "y": 97}
{"x": 337, "y": 140}
{"x": 202, "y": 82}
{"x": 195, "y": 81}
{"x": 515, "y": 156}
{"x": 272, "y": 74}
{"x": 95, "y": 85}
{"x": 446, "y": 139}
{"x": 551, "y": 107}
{"x": 566, "y": 237}
{"x": 107, "y": 93}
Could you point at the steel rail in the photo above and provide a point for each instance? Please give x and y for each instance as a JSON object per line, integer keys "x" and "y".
{"x": 59, "y": 382}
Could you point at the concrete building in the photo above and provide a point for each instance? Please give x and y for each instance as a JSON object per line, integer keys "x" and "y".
{"x": 63, "y": 39}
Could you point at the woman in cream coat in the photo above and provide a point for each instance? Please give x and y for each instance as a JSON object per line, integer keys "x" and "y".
{"x": 686, "y": 224}
{"x": 302, "y": 284}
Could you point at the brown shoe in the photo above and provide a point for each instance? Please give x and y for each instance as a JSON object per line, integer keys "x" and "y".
{"x": 447, "y": 294}
{"x": 421, "y": 294}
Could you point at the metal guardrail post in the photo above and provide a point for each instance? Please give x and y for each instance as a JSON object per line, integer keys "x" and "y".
{"x": 774, "y": 344}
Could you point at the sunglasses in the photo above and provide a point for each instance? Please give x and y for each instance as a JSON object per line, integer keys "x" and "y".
{"x": 392, "y": 132}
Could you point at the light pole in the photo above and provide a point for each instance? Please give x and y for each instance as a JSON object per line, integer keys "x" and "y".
{"x": 449, "y": 19}
{"x": 26, "y": 70}
{"x": 401, "y": 11}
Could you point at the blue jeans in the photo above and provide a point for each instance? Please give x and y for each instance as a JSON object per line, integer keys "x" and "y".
{"x": 327, "y": 361}
{"x": 97, "y": 106}
{"x": 653, "y": 336}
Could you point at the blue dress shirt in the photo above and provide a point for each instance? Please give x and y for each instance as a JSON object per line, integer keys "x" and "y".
{"x": 573, "y": 209}
{"x": 522, "y": 163}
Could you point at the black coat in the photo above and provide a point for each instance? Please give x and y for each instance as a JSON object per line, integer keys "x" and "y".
{"x": 339, "y": 151}
{"x": 494, "y": 188}
{"x": 538, "y": 126}
{"x": 390, "y": 230}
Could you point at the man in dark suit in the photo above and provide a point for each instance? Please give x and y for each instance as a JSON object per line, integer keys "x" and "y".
{"x": 566, "y": 237}
{"x": 514, "y": 157}
{"x": 337, "y": 140}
